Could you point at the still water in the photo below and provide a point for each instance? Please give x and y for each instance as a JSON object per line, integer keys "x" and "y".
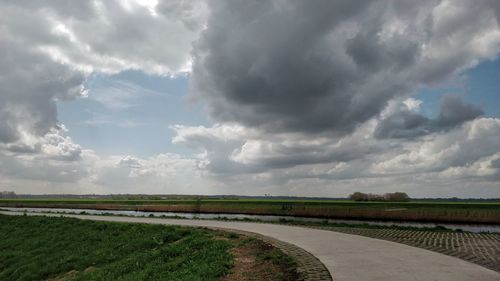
{"x": 265, "y": 218}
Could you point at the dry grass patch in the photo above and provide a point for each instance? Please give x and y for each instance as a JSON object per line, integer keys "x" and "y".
{"x": 255, "y": 260}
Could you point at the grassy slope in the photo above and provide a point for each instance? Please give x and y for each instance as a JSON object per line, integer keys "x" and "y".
{"x": 39, "y": 248}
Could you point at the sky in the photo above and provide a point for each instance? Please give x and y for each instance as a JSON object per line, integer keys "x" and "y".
{"x": 294, "y": 98}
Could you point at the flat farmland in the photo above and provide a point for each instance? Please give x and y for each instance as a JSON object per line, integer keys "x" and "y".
{"x": 459, "y": 212}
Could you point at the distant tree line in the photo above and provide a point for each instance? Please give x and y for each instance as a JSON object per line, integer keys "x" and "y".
{"x": 7, "y": 194}
{"x": 394, "y": 197}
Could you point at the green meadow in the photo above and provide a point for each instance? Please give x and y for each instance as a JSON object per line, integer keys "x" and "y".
{"x": 42, "y": 248}
{"x": 462, "y": 212}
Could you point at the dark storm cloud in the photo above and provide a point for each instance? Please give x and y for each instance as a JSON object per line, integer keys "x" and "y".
{"x": 495, "y": 5}
{"x": 454, "y": 112}
{"x": 403, "y": 124}
{"x": 408, "y": 124}
{"x": 495, "y": 163}
{"x": 325, "y": 66}
{"x": 271, "y": 65}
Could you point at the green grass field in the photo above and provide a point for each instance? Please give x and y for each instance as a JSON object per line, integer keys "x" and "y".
{"x": 60, "y": 249}
{"x": 40, "y": 248}
{"x": 488, "y": 212}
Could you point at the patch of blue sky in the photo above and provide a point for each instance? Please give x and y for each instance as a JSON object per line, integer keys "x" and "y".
{"x": 479, "y": 86}
{"x": 131, "y": 113}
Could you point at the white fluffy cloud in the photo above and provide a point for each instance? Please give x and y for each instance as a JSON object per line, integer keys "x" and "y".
{"x": 48, "y": 50}
{"x": 49, "y": 47}
{"x": 474, "y": 144}
{"x": 468, "y": 153}
{"x": 108, "y": 36}
{"x": 163, "y": 173}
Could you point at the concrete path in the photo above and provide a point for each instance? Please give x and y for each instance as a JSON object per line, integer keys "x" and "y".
{"x": 347, "y": 257}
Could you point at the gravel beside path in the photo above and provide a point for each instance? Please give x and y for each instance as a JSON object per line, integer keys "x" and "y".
{"x": 479, "y": 248}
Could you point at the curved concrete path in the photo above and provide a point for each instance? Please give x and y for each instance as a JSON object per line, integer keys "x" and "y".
{"x": 347, "y": 257}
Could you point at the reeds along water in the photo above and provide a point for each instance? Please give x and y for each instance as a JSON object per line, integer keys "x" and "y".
{"x": 414, "y": 212}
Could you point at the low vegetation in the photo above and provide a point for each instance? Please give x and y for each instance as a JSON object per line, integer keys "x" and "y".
{"x": 56, "y": 249}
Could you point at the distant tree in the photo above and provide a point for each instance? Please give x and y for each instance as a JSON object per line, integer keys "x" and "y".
{"x": 359, "y": 196}
{"x": 376, "y": 197}
{"x": 398, "y": 197}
